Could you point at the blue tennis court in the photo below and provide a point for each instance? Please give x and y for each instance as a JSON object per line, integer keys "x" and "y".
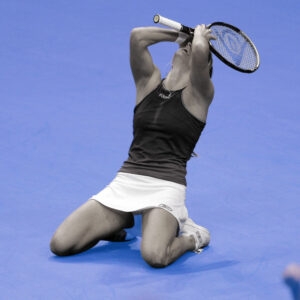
{"x": 67, "y": 99}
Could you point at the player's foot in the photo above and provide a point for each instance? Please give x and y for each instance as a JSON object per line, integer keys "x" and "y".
{"x": 200, "y": 234}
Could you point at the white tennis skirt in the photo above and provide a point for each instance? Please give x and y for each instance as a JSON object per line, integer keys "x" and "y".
{"x": 136, "y": 193}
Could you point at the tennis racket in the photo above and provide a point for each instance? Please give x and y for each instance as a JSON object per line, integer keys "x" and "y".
{"x": 232, "y": 46}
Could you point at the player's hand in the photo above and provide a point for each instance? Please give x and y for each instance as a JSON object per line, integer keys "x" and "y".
{"x": 205, "y": 32}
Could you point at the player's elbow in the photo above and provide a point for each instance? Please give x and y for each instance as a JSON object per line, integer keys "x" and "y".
{"x": 136, "y": 34}
{"x": 137, "y": 37}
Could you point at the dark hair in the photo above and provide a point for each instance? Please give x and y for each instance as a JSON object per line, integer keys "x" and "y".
{"x": 189, "y": 39}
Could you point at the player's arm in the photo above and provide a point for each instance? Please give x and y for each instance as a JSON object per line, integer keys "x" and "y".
{"x": 146, "y": 75}
{"x": 200, "y": 67}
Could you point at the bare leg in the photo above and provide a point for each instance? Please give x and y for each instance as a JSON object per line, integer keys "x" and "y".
{"x": 160, "y": 244}
{"x": 86, "y": 226}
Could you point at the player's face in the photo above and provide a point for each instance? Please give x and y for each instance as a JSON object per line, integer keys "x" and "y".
{"x": 183, "y": 55}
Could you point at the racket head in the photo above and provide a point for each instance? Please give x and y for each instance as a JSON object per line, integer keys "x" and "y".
{"x": 234, "y": 47}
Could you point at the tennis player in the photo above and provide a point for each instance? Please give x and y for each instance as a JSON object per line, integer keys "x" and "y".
{"x": 169, "y": 117}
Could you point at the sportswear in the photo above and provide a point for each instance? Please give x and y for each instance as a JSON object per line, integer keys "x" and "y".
{"x": 137, "y": 193}
{"x": 164, "y": 136}
{"x": 200, "y": 234}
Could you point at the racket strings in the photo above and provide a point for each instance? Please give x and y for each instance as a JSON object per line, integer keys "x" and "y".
{"x": 234, "y": 47}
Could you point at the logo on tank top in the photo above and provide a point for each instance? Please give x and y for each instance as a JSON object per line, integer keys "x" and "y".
{"x": 166, "y": 96}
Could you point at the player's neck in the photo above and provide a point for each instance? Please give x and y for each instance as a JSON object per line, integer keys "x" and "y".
{"x": 175, "y": 80}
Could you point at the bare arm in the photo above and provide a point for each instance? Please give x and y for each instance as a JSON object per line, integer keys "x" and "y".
{"x": 146, "y": 75}
{"x": 200, "y": 76}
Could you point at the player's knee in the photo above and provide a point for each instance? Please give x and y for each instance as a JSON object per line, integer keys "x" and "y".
{"x": 59, "y": 247}
{"x": 156, "y": 258}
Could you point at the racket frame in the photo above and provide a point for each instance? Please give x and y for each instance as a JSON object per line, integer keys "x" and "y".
{"x": 251, "y": 44}
{"x": 188, "y": 30}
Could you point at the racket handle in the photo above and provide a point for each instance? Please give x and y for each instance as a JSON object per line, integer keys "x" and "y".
{"x": 172, "y": 24}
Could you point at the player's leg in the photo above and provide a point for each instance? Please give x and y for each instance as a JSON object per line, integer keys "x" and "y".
{"x": 86, "y": 226}
{"x": 160, "y": 244}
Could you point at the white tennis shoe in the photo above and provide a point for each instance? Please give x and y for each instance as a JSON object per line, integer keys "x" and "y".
{"x": 200, "y": 234}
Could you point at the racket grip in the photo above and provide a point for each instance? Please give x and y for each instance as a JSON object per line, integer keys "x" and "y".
{"x": 172, "y": 24}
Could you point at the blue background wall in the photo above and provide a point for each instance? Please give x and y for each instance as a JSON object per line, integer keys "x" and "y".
{"x": 67, "y": 99}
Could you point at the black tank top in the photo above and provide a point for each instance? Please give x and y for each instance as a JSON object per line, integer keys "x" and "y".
{"x": 164, "y": 137}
